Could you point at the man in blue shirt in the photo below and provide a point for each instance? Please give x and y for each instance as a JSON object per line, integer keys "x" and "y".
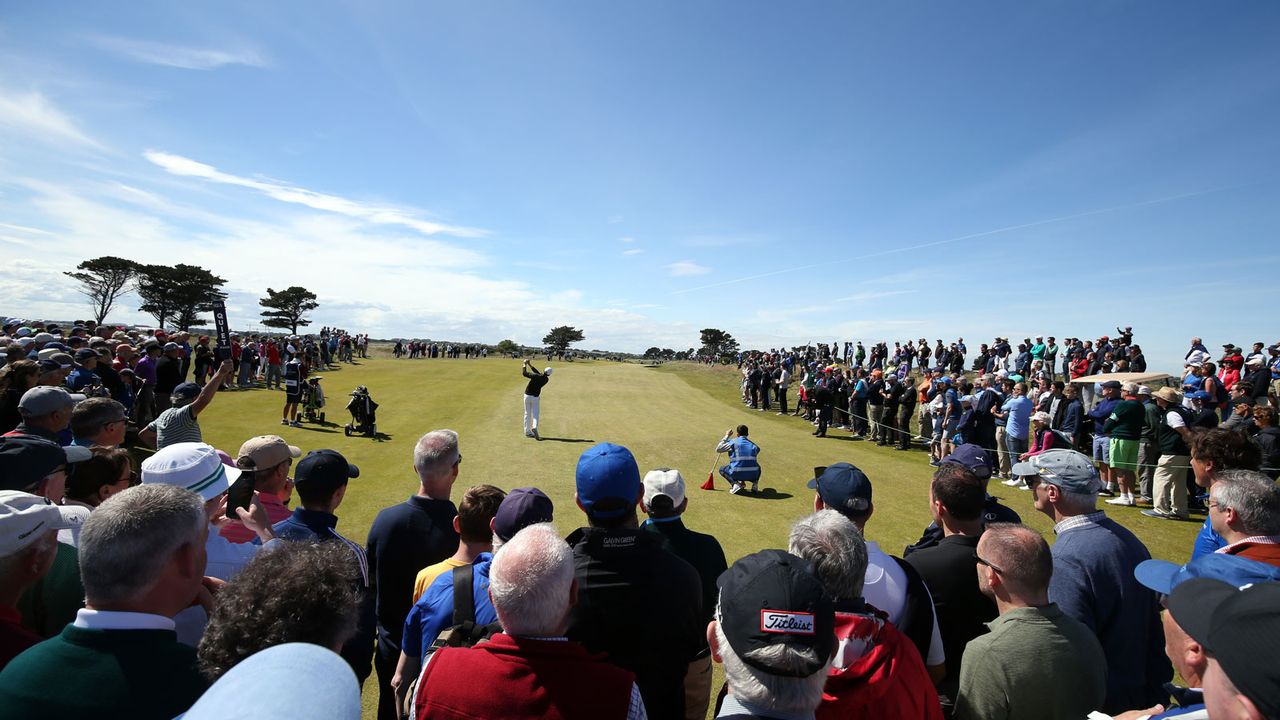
{"x": 320, "y": 480}
{"x": 1016, "y": 412}
{"x": 1101, "y": 442}
{"x": 743, "y": 467}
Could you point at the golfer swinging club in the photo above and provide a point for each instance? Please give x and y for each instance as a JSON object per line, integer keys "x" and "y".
{"x": 742, "y": 467}
{"x": 532, "y": 393}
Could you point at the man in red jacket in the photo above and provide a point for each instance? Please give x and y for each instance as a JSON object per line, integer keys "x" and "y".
{"x": 877, "y": 672}
{"x": 530, "y": 670}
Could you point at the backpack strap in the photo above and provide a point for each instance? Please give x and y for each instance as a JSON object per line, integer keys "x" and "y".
{"x": 464, "y": 602}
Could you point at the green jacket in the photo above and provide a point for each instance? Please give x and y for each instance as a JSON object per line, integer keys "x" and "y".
{"x": 1126, "y": 422}
{"x": 53, "y": 601}
{"x": 102, "y": 674}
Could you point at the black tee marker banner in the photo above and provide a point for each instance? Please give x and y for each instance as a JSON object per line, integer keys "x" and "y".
{"x": 223, "y": 349}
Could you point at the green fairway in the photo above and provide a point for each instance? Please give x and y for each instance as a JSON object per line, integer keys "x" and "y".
{"x": 669, "y": 416}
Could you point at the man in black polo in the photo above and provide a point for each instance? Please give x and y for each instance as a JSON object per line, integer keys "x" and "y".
{"x": 956, "y": 500}
{"x": 637, "y": 602}
{"x": 404, "y": 539}
{"x": 665, "y": 501}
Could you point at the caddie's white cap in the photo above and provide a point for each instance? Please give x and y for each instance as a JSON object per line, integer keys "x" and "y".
{"x": 25, "y": 518}
{"x": 663, "y": 482}
{"x": 194, "y": 466}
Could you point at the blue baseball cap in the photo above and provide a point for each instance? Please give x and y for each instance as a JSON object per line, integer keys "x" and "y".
{"x": 1199, "y": 395}
{"x": 1163, "y": 576}
{"x": 521, "y": 508}
{"x": 844, "y": 488}
{"x": 607, "y": 471}
{"x": 972, "y": 457}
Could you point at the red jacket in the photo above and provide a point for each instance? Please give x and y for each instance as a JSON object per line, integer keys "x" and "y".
{"x": 878, "y": 674}
{"x": 512, "y": 678}
{"x": 1265, "y": 552}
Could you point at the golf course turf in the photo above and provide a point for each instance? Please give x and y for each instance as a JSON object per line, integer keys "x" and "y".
{"x": 668, "y": 416}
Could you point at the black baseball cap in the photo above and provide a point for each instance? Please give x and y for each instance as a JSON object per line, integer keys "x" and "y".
{"x": 844, "y": 488}
{"x": 1239, "y": 627}
{"x": 26, "y": 460}
{"x": 772, "y": 598}
{"x": 521, "y": 508}
{"x": 1111, "y": 385}
{"x": 324, "y": 468}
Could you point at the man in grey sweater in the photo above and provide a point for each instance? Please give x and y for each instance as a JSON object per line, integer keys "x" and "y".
{"x": 1093, "y": 581}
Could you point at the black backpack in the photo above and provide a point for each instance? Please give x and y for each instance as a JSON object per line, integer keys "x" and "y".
{"x": 465, "y": 631}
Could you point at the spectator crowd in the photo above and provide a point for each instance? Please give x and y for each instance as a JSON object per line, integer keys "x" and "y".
{"x": 164, "y": 591}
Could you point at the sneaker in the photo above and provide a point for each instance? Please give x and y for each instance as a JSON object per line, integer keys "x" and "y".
{"x": 1011, "y": 482}
{"x": 295, "y": 423}
{"x": 1106, "y": 491}
{"x": 1122, "y": 500}
{"x": 1145, "y": 500}
{"x": 755, "y": 488}
{"x": 934, "y": 463}
{"x": 1153, "y": 513}
{"x": 1022, "y": 485}
{"x": 735, "y": 488}
{"x": 284, "y": 421}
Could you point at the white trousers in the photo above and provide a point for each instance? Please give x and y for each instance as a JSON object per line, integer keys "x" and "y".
{"x": 530, "y": 413}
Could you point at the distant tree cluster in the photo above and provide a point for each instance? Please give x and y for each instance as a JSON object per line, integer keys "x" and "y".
{"x": 177, "y": 295}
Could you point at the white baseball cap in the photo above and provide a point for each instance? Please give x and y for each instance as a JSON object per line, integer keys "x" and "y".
{"x": 663, "y": 482}
{"x": 194, "y": 466}
{"x": 24, "y": 518}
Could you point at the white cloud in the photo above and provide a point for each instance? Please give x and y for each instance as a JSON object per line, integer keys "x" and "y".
{"x": 32, "y": 115}
{"x": 179, "y": 56}
{"x": 379, "y": 214}
{"x": 632, "y": 251}
{"x": 685, "y": 268}
{"x": 626, "y": 240}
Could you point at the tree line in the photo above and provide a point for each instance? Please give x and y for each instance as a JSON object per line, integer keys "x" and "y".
{"x": 178, "y": 295}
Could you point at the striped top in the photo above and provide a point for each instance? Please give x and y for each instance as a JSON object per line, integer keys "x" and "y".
{"x": 176, "y": 425}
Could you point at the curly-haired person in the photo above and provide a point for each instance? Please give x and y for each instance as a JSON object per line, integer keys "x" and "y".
{"x": 293, "y": 592}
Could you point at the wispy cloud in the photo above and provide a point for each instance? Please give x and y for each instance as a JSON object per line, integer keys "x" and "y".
{"x": 378, "y": 214}
{"x": 685, "y": 268}
{"x": 632, "y": 251}
{"x": 179, "y": 56}
{"x": 32, "y": 115}
{"x": 626, "y": 240}
{"x": 872, "y": 295}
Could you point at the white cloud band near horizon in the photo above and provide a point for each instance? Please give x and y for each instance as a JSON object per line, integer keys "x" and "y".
{"x": 378, "y": 214}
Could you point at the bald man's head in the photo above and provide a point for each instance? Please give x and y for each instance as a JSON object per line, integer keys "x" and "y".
{"x": 1019, "y": 554}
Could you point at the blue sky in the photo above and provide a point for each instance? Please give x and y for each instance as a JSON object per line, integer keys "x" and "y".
{"x": 785, "y": 171}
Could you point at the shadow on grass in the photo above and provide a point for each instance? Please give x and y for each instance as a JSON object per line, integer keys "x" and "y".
{"x": 567, "y": 440}
{"x": 316, "y": 428}
{"x": 765, "y": 494}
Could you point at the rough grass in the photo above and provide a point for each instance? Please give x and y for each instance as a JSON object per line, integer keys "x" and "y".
{"x": 670, "y": 416}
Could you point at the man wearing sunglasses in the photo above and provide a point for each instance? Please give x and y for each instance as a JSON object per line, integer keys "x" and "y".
{"x": 1016, "y": 670}
{"x": 1093, "y": 563}
{"x": 98, "y": 421}
{"x": 40, "y": 467}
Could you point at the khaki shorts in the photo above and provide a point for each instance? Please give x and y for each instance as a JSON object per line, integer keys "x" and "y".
{"x": 1124, "y": 454}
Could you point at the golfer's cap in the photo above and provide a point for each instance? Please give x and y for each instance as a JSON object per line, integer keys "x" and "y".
{"x": 663, "y": 482}
{"x": 1199, "y": 395}
{"x": 1111, "y": 385}
{"x": 844, "y": 488}
{"x": 85, "y": 354}
{"x": 521, "y": 508}
{"x": 772, "y": 598}
{"x": 25, "y": 518}
{"x": 546, "y": 371}
{"x": 1163, "y": 576}
{"x": 1070, "y": 470}
{"x": 972, "y": 457}
{"x": 1144, "y": 390}
{"x": 1254, "y": 361}
{"x": 1238, "y": 626}
{"x": 324, "y": 469}
{"x": 187, "y": 391}
{"x": 45, "y": 399}
{"x": 1129, "y": 388}
{"x": 170, "y": 346}
{"x": 26, "y": 459}
{"x": 1041, "y": 416}
{"x": 193, "y": 466}
{"x": 607, "y": 472}
{"x": 265, "y": 451}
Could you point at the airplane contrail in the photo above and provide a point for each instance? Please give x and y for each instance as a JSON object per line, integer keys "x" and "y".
{"x": 984, "y": 233}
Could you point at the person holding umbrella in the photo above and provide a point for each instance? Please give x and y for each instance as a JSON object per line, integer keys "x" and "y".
{"x": 742, "y": 467}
